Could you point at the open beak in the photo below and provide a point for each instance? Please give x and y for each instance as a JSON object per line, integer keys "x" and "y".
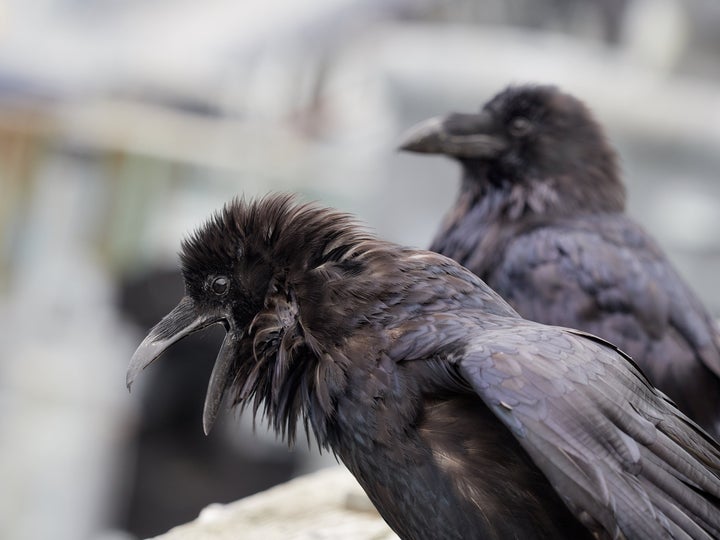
{"x": 457, "y": 135}
{"x": 179, "y": 323}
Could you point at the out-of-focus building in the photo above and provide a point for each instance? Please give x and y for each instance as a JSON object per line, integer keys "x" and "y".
{"x": 124, "y": 124}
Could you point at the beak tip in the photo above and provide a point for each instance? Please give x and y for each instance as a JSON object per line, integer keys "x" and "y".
{"x": 208, "y": 422}
{"x": 138, "y": 362}
{"x": 423, "y": 138}
{"x": 408, "y": 146}
{"x": 209, "y": 414}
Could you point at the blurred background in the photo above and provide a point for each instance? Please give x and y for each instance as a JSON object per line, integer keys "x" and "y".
{"x": 123, "y": 124}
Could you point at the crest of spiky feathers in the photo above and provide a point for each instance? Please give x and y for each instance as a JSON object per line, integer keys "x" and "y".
{"x": 275, "y": 227}
{"x": 281, "y": 367}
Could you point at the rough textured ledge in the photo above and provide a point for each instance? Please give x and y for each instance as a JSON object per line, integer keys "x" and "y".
{"x": 326, "y": 505}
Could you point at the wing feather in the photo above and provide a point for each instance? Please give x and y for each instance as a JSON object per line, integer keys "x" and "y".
{"x": 613, "y": 447}
{"x": 605, "y": 275}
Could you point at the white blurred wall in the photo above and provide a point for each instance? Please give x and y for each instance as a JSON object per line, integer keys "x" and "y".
{"x": 123, "y": 125}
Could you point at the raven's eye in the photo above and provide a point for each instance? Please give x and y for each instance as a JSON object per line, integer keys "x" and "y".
{"x": 520, "y": 126}
{"x": 220, "y": 285}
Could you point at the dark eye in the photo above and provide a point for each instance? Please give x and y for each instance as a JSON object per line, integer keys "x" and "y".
{"x": 520, "y": 126}
{"x": 220, "y": 285}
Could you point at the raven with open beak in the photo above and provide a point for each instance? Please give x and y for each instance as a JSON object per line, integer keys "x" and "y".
{"x": 459, "y": 418}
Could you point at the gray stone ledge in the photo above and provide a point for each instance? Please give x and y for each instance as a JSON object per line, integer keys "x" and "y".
{"x": 326, "y": 505}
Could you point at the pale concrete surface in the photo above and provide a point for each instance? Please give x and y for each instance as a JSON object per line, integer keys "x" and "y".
{"x": 326, "y": 505}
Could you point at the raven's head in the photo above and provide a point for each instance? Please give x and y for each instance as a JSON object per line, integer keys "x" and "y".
{"x": 529, "y": 136}
{"x": 243, "y": 269}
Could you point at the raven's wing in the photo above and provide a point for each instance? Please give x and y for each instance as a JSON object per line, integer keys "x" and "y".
{"x": 621, "y": 456}
{"x": 607, "y": 276}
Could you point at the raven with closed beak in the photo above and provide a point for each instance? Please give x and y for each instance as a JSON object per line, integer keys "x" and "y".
{"x": 540, "y": 217}
{"x": 459, "y": 418}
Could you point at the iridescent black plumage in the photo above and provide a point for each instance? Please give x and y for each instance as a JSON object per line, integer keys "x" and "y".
{"x": 540, "y": 217}
{"x": 460, "y": 419}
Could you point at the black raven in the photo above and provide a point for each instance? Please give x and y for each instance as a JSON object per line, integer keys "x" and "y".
{"x": 541, "y": 219}
{"x": 168, "y": 447}
{"x": 459, "y": 418}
